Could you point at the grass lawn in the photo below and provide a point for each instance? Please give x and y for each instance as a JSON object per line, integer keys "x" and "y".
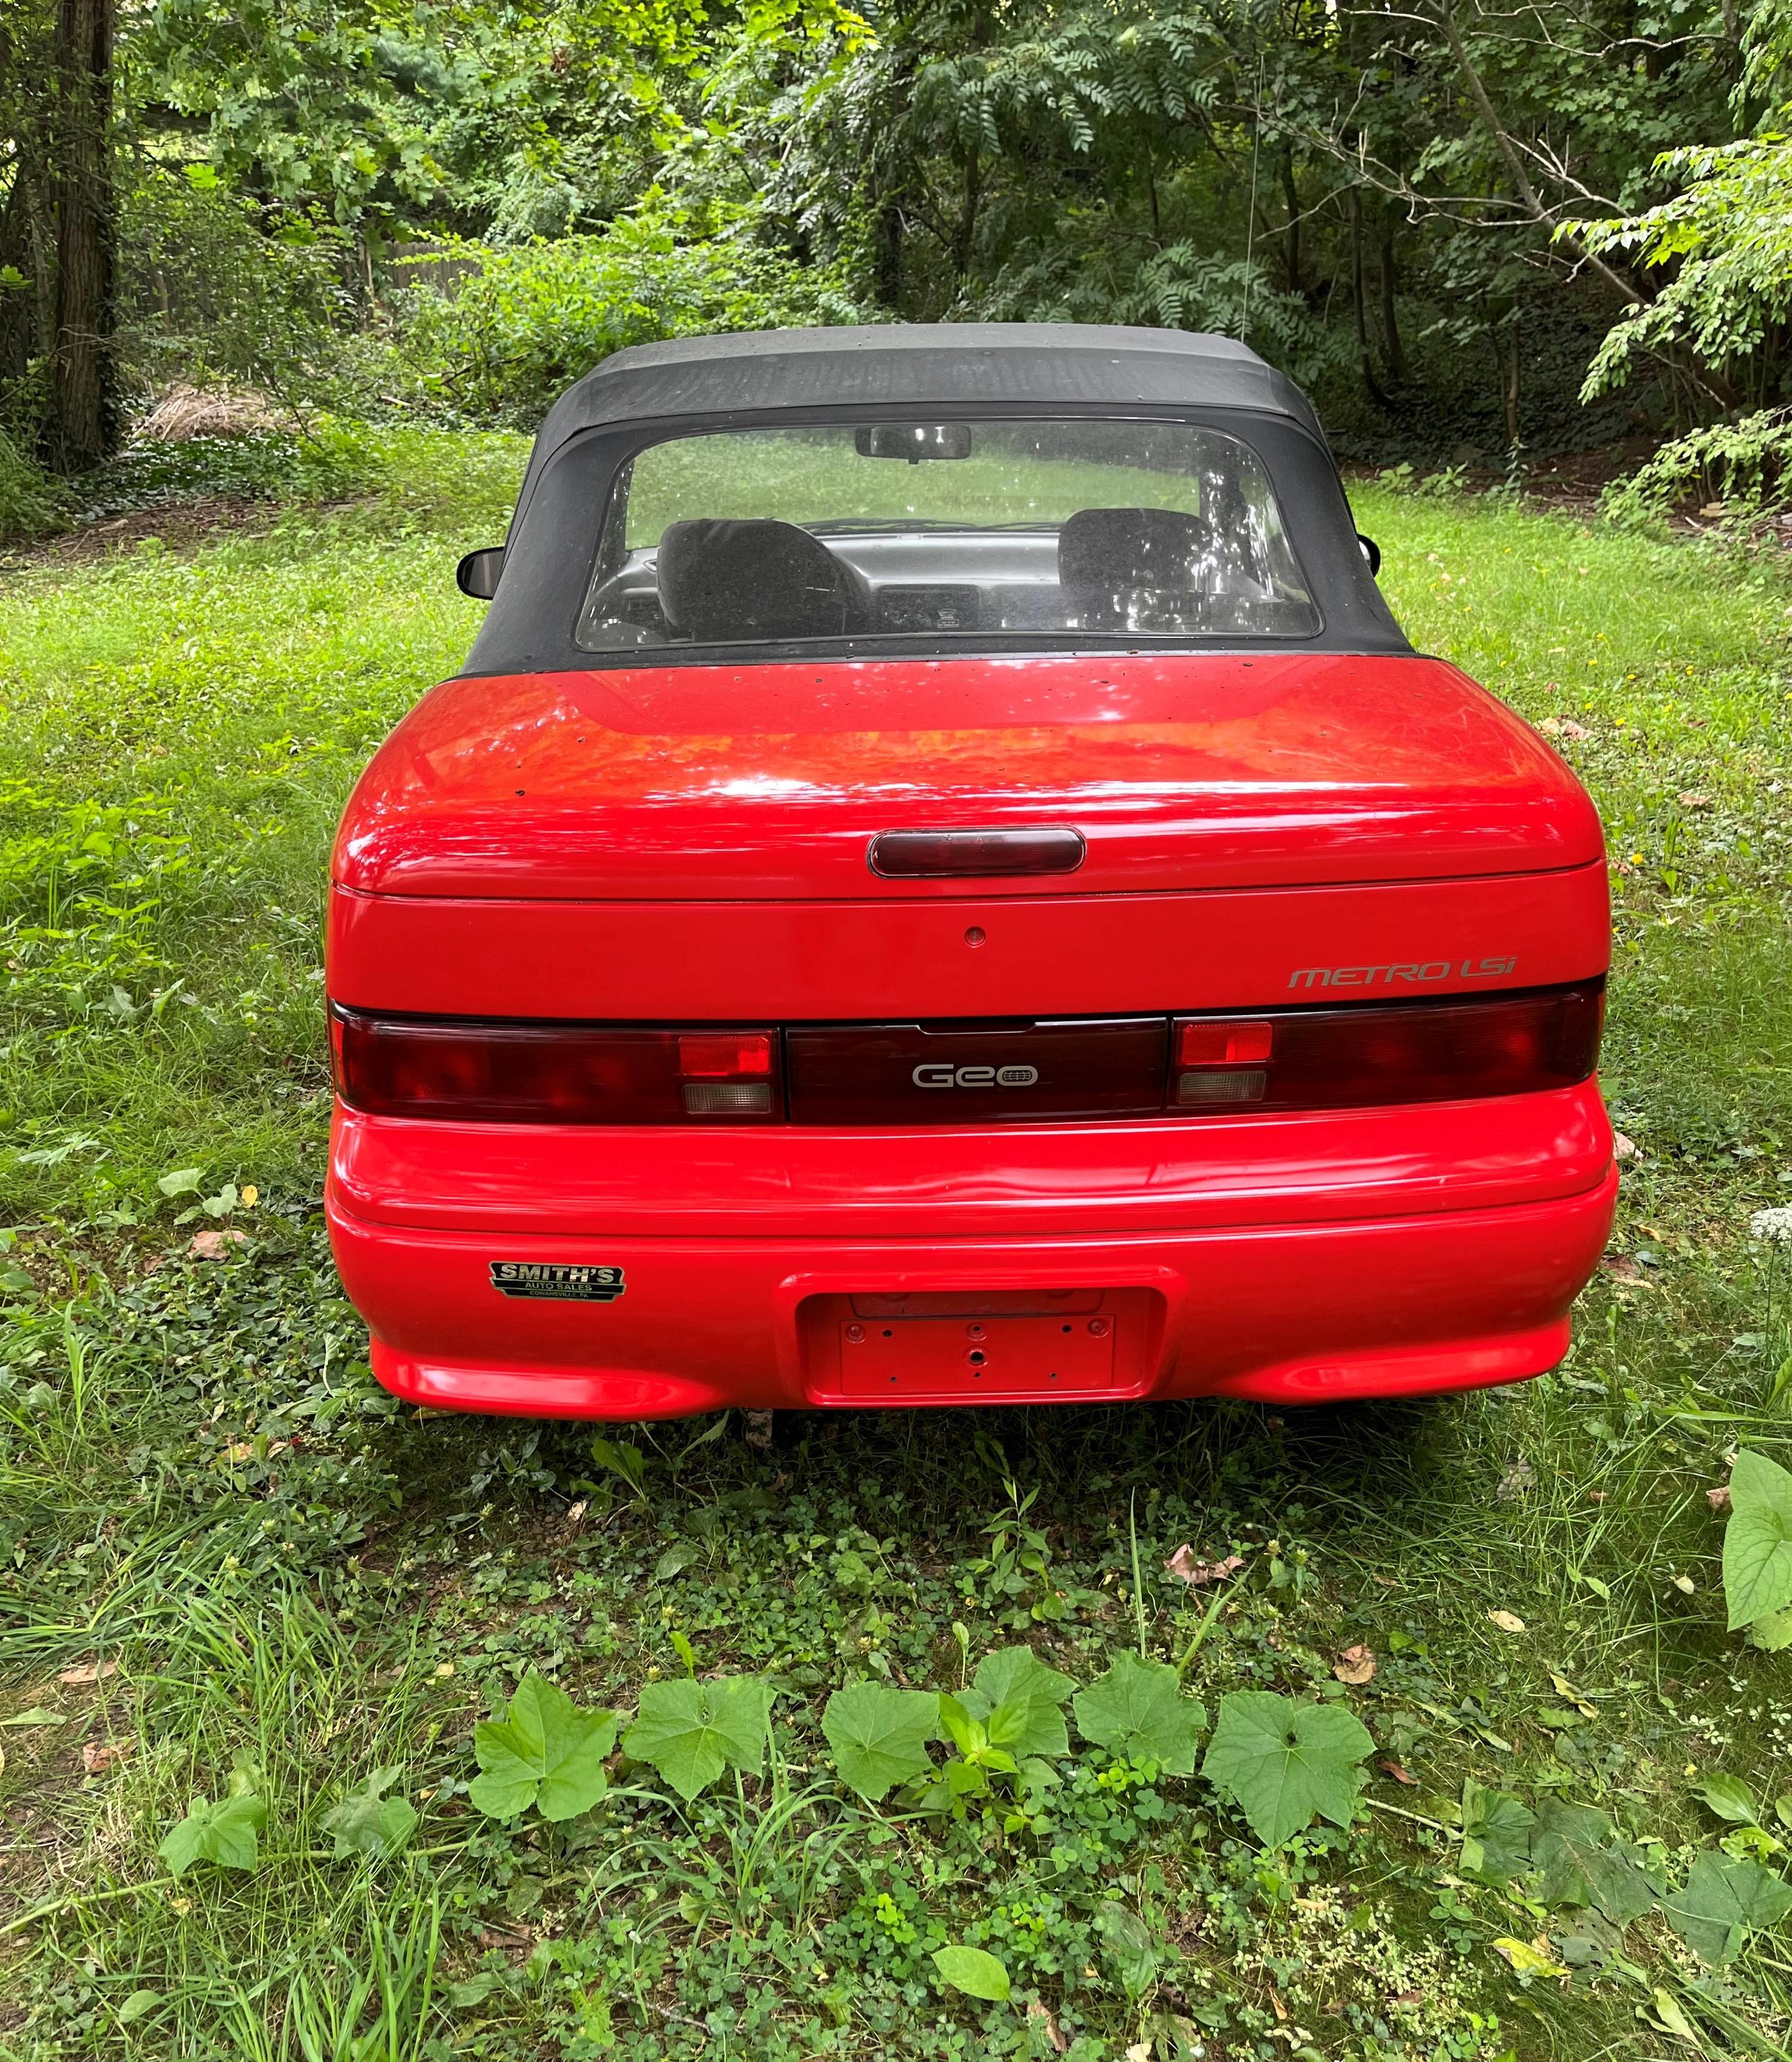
{"x": 229, "y": 1567}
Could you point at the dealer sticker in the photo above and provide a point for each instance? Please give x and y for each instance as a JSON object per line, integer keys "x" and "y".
{"x": 556, "y": 1282}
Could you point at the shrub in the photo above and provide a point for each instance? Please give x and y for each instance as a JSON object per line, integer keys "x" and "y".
{"x": 515, "y": 329}
{"x": 31, "y": 503}
{"x": 216, "y": 290}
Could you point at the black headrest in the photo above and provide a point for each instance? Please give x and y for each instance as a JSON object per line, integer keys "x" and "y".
{"x": 1106, "y": 550}
{"x": 723, "y": 578}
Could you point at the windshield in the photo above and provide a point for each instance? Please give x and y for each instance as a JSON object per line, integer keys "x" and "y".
{"x": 1139, "y": 530}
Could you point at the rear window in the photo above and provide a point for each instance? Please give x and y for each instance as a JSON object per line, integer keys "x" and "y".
{"x": 944, "y": 530}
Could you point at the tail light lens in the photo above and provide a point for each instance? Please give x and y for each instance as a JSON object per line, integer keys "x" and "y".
{"x": 1078, "y": 1069}
{"x": 1422, "y": 1052}
{"x": 554, "y": 1074}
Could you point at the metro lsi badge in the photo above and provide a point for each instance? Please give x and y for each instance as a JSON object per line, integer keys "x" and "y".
{"x": 552, "y": 1281}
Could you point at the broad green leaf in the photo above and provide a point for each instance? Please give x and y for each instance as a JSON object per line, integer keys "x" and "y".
{"x": 1284, "y": 1762}
{"x": 1016, "y": 1675}
{"x": 1496, "y": 1833}
{"x": 1583, "y": 1864}
{"x": 545, "y": 1751}
{"x": 367, "y": 1823}
{"x": 1129, "y": 1941}
{"x": 137, "y": 2005}
{"x": 1137, "y": 1712}
{"x": 1732, "y": 1799}
{"x": 35, "y": 1714}
{"x": 1758, "y": 1540}
{"x": 182, "y": 1181}
{"x": 691, "y": 1732}
{"x": 879, "y": 1735}
{"x": 961, "y": 1729}
{"x": 1723, "y": 1901}
{"x": 972, "y": 1972}
{"x": 1773, "y": 1633}
{"x": 223, "y": 1833}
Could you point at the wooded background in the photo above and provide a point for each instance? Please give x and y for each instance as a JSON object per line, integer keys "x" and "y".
{"x": 1472, "y": 230}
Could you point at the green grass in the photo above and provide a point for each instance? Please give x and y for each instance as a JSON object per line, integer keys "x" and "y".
{"x": 300, "y": 1583}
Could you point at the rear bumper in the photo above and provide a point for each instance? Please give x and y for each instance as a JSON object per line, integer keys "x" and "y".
{"x": 1303, "y": 1260}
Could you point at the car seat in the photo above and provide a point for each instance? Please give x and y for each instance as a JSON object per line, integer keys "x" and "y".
{"x": 726, "y": 580}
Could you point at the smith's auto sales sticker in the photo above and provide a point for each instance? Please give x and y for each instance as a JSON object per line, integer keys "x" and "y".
{"x": 558, "y": 1283}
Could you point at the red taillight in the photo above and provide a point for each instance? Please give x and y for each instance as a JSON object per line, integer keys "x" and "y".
{"x": 1223, "y": 1041}
{"x": 1421, "y": 1052}
{"x": 726, "y": 1054}
{"x": 552, "y": 1073}
{"x": 941, "y": 854}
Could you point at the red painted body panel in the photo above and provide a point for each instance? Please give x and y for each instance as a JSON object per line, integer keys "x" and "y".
{"x": 1295, "y": 1312}
{"x": 688, "y": 845}
{"x": 1048, "y": 1181}
{"x": 1038, "y": 955}
{"x": 1183, "y": 771}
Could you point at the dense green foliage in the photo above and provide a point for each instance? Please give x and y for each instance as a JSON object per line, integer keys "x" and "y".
{"x": 327, "y": 1721}
{"x": 1435, "y": 215}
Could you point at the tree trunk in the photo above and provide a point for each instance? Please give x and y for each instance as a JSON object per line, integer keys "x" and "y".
{"x": 964, "y": 237}
{"x": 1291, "y": 232}
{"x": 1390, "y": 318}
{"x": 1359, "y": 296}
{"x": 83, "y": 427}
{"x": 889, "y": 256}
{"x": 1510, "y": 384}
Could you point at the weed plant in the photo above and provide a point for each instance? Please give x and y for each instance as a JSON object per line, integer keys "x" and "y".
{"x": 232, "y": 1569}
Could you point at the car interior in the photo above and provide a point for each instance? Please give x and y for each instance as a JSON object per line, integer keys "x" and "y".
{"x": 716, "y": 580}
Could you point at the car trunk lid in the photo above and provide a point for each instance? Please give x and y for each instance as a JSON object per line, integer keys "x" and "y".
{"x": 769, "y": 782}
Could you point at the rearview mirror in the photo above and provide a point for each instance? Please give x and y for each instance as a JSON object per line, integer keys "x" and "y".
{"x": 477, "y": 574}
{"x": 1372, "y": 551}
{"x": 913, "y": 441}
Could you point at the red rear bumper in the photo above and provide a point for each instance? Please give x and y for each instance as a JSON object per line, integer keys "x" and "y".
{"x": 1299, "y": 1259}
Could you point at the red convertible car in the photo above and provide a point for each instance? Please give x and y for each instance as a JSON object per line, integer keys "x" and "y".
{"x": 942, "y": 881}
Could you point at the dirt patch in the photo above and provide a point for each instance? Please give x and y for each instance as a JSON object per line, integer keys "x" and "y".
{"x": 179, "y": 525}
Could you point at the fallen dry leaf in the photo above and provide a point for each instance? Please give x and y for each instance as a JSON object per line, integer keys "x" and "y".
{"x": 1407, "y": 1998}
{"x": 1563, "y": 726}
{"x": 1712, "y": 510}
{"x": 215, "y": 1245}
{"x": 1507, "y": 1621}
{"x": 1042, "y": 2016}
{"x": 97, "y": 1756}
{"x": 1623, "y": 1148}
{"x": 575, "y": 1511}
{"x": 1692, "y": 799}
{"x": 1183, "y": 1563}
{"x": 759, "y": 1428}
{"x": 1399, "y": 1774}
{"x": 1685, "y": 1585}
{"x": 1530, "y": 1958}
{"x": 1621, "y": 1267}
{"x": 87, "y": 1672}
{"x": 239, "y": 1450}
{"x": 1718, "y": 1499}
{"x": 1139, "y": 2052}
{"x": 1355, "y": 1665}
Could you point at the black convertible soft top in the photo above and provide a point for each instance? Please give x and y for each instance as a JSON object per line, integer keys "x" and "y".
{"x": 923, "y": 364}
{"x": 919, "y": 365}
{"x": 892, "y": 372}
